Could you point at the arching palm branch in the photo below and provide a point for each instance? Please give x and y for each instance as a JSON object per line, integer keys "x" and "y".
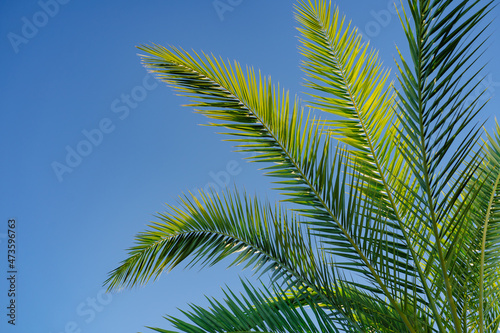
{"x": 390, "y": 220}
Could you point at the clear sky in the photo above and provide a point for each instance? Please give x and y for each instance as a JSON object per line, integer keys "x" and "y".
{"x": 70, "y": 76}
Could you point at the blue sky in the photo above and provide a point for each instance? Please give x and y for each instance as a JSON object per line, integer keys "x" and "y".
{"x": 71, "y": 76}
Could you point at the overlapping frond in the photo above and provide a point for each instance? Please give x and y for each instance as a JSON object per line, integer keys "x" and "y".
{"x": 443, "y": 50}
{"x": 284, "y": 310}
{"x": 256, "y": 311}
{"x": 212, "y": 228}
{"x": 484, "y": 258}
{"x": 349, "y": 82}
{"x": 438, "y": 130}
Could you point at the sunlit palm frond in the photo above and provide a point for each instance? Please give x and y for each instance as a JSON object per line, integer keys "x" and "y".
{"x": 349, "y": 82}
{"x": 268, "y": 125}
{"x": 279, "y": 133}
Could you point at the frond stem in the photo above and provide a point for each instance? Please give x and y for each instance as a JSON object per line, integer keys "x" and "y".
{"x": 483, "y": 253}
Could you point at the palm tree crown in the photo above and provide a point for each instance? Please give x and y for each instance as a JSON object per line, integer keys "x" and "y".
{"x": 391, "y": 216}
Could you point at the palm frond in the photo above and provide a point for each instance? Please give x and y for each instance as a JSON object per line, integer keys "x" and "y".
{"x": 212, "y": 228}
{"x": 433, "y": 115}
{"x": 349, "y": 82}
{"x": 256, "y": 311}
{"x": 485, "y": 241}
{"x": 352, "y": 85}
{"x": 209, "y": 229}
{"x": 284, "y": 310}
{"x": 281, "y": 134}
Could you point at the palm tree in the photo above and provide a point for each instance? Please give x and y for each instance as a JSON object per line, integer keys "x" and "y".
{"x": 392, "y": 216}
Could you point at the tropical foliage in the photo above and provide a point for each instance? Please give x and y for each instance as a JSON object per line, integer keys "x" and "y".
{"x": 390, "y": 220}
